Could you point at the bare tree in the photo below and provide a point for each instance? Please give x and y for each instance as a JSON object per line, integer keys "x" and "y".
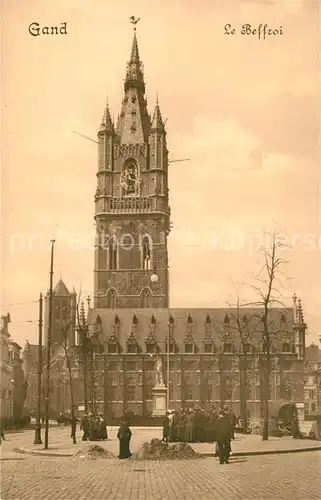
{"x": 241, "y": 326}
{"x": 268, "y": 291}
{"x": 65, "y": 361}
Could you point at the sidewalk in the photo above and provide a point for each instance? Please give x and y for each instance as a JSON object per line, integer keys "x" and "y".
{"x": 60, "y": 444}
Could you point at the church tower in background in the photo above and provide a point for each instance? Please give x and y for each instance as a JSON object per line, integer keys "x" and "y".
{"x": 131, "y": 202}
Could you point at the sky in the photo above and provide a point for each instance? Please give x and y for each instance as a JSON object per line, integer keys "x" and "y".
{"x": 244, "y": 110}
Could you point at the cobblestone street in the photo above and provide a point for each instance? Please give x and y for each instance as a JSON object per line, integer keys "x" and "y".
{"x": 294, "y": 476}
{"x": 27, "y": 477}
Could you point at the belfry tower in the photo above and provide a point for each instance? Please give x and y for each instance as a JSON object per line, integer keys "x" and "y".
{"x": 131, "y": 202}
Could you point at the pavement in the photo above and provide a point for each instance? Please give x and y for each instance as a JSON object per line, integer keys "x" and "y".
{"x": 60, "y": 443}
{"x": 295, "y": 476}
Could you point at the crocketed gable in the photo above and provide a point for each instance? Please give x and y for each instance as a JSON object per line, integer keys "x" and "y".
{"x": 139, "y": 320}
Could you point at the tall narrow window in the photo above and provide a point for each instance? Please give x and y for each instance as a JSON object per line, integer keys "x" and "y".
{"x": 111, "y": 299}
{"x": 102, "y": 258}
{"x": 146, "y": 299}
{"x": 112, "y": 254}
{"x": 146, "y": 253}
{"x": 286, "y": 347}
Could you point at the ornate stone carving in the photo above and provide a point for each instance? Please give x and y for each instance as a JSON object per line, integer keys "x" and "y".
{"x": 131, "y": 150}
{"x": 159, "y": 372}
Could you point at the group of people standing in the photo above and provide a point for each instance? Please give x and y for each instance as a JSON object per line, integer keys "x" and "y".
{"x": 193, "y": 425}
{"x": 200, "y": 426}
{"x": 190, "y": 426}
{"x": 94, "y": 427}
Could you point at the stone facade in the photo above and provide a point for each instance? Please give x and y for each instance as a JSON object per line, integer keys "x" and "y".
{"x": 312, "y": 381}
{"x": 131, "y": 201}
{"x": 205, "y": 358}
{"x": 13, "y": 388}
{"x": 63, "y": 335}
{"x": 131, "y": 322}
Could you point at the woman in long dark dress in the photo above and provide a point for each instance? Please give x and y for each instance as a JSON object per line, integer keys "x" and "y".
{"x": 102, "y": 428}
{"x": 124, "y": 435}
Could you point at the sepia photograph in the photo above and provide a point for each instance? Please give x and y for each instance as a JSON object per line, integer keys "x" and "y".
{"x": 160, "y": 250}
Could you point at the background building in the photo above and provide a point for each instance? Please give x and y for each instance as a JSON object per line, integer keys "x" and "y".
{"x": 63, "y": 340}
{"x": 13, "y": 388}
{"x": 312, "y": 381}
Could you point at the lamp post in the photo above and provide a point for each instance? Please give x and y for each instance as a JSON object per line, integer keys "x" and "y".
{"x": 154, "y": 279}
{"x": 49, "y": 347}
{"x": 83, "y": 356}
{"x": 92, "y": 373}
{"x": 39, "y": 373}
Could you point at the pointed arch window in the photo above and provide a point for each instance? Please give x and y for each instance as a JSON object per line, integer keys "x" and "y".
{"x": 286, "y": 347}
{"x": 246, "y": 346}
{"x": 112, "y": 254}
{"x": 146, "y": 299}
{"x": 208, "y": 348}
{"x": 132, "y": 344}
{"x": 227, "y": 348}
{"x": 111, "y": 299}
{"x": 146, "y": 248}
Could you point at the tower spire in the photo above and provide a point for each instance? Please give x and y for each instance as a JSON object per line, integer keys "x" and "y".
{"x": 107, "y": 122}
{"x": 135, "y": 71}
{"x": 133, "y": 125}
{"x": 157, "y": 121}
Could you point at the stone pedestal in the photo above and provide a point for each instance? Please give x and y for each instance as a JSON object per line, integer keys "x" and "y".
{"x": 159, "y": 400}
{"x": 300, "y": 408}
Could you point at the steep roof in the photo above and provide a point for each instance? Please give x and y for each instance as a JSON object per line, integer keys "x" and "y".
{"x": 196, "y": 320}
{"x": 61, "y": 289}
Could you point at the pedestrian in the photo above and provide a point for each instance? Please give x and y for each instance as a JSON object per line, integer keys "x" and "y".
{"x": 173, "y": 427}
{"x": 170, "y": 420}
{"x": 223, "y": 436}
{"x": 189, "y": 427}
{"x": 124, "y": 435}
{"x": 2, "y": 438}
{"x": 233, "y": 420}
{"x": 102, "y": 427}
{"x": 181, "y": 426}
{"x": 73, "y": 425}
{"x": 166, "y": 427}
{"x": 84, "y": 426}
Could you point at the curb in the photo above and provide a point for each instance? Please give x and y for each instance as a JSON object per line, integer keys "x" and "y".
{"x": 47, "y": 453}
{"x": 53, "y": 453}
{"x": 268, "y": 452}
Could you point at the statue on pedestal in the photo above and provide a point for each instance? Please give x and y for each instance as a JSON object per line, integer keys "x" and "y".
{"x": 159, "y": 372}
{"x": 159, "y": 391}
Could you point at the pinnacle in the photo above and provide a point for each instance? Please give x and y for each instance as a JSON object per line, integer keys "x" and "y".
{"x": 157, "y": 121}
{"x": 107, "y": 122}
{"x": 134, "y": 67}
{"x": 82, "y": 314}
{"x": 134, "y": 57}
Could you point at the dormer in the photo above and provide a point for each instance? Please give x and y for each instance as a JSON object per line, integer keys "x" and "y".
{"x": 170, "y": 343}
{"x": 151, "y": 341}
{"x": 208, "y": 343}
{"x": 132, "y": 344}
{"x": 287, "y": 345}
{"x": 189, "y": 342}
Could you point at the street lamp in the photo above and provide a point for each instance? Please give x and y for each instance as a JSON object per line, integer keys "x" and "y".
{"x": 154, "y": 278}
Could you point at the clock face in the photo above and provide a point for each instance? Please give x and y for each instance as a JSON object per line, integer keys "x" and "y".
{"x": 130, "y": 179}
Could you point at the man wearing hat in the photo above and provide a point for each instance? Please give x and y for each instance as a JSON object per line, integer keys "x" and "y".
{"x": 84, "y": 426}
{"x": 223, "y": 436}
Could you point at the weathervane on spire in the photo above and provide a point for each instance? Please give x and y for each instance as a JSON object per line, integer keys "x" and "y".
{"x": 134, "y": 21}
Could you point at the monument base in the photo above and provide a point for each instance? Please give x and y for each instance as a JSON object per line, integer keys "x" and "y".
{"x": 159, "y": 400}
{"x": 301, "y": 415}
